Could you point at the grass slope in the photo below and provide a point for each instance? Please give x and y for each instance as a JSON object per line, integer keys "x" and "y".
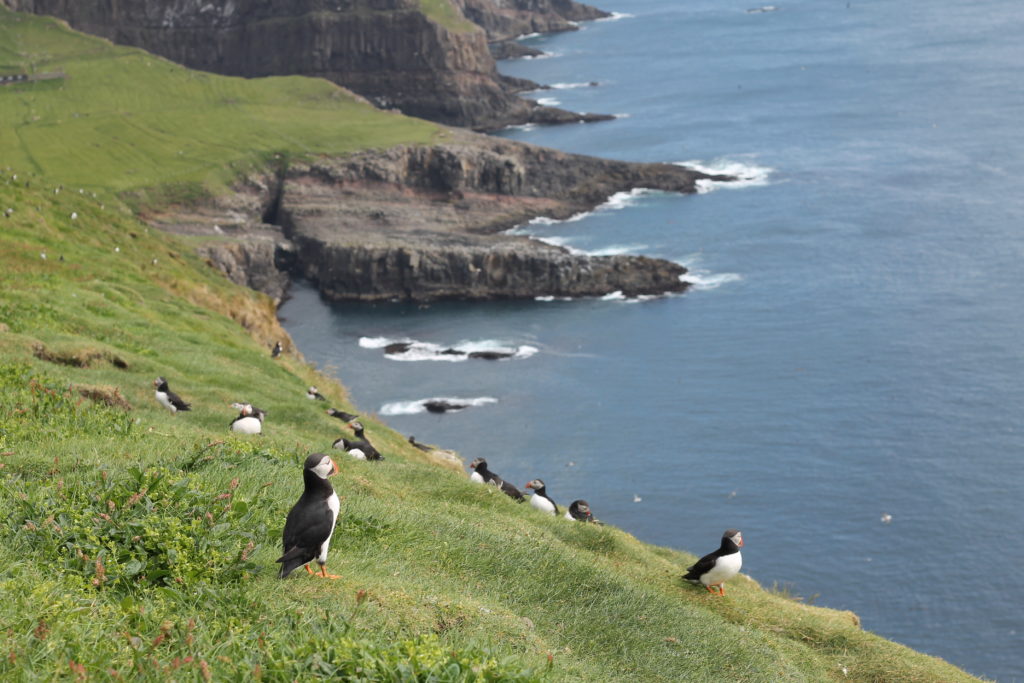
{"x": 124, "y": 119}
{"x": 137, "y": 544}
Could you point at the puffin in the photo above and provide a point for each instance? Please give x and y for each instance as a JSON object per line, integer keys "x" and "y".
{"x": 313, "y": 395}
{"x": 482, "y": 475}
{"x": 167, "y": 398}
{"x": 540, "y": 499}
{"x": 579, "y": 510}
{"x": 310, "y": 522}
{"x": 350, "y": 447}
{"x": 276, "y": 351}
{"x": 248, "y": 420}
{"x": 714, "y": 569}
{"x": 423, "y": 447}
{"x": 340, "y": 414}
{"x": 363, "y": 443}
{"x": 258, "y": 412}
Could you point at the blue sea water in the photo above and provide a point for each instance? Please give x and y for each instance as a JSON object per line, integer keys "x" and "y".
{"x": 853, "y": 347}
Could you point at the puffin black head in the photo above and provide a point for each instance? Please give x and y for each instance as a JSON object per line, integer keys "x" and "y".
{"x": 160, "y": 383}
{"x": 321, "y": 464}
{"x": 580, "y": 509}
{"x": 732, "y": 536}
{"x": 479, "y": 463}
{"x": 356, "y": 426}
{"x": 536, "y": 485}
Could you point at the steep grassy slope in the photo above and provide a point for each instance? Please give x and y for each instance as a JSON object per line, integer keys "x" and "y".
{"x": 134, "y": 543}
{"x": 427, "y": 558}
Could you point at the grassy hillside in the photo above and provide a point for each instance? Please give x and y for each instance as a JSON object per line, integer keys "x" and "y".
{"x": 125, "y": 119}
{"x": 138, "y": 544}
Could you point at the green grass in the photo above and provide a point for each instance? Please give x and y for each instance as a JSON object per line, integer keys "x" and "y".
{"x": 139, "y": 544}
{"x": 438, "y": 574}
{"x": 445, "y": 13}
{"x": 124, "y": 119}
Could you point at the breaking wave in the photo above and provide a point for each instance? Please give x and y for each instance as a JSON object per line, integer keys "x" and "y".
{"x": 437, "y": 404}
{"x": 747, "y": 175}
{"x": 411, "y": 350}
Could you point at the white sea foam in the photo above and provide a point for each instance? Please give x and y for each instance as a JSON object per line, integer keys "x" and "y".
{"x": 549, "y": 102}
{"x": 618, "y": 249}
{"x": 552, "y": 298}
{"x": 747, "y": 174}
{"x": 527, "y": 35}
{"x": 543, "y": 55}
{"x": 420, "y": 406}
{"x": 614, "y": 296}
{"x": 456, "y": 353}
{"x": 568, "y": 86}
{"x": 625, "y": 115}
{"x": 703, "y": 280}
{"x": 616, "y": 16}
{"x": 521, "y": 126}
{"x": 379, "y": 342}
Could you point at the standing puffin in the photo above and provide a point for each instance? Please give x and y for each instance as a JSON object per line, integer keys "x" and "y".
{"x": 248, "y": 420}
{"x": 310, "y": 523}
{"x": 276, "y": 351}
{"x": 714, "y": 569}
{"x": 313, "y": 395}
{"x": 579, "y": 510}
{"x": 482, "y": 475}
{"x": 540, "y": 499}
{"x": 167, "y": 398}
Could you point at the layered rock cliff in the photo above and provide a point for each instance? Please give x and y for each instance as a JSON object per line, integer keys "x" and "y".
{"x": 434, "y": 65}
{"x": 422, "y": 223}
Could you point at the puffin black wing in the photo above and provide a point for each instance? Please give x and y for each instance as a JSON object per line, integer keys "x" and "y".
{"x": 509, "y": 490}
{"x": 177, "y": 401}
{"x": 701, "y": 567}
{"x": 305, "y": 530}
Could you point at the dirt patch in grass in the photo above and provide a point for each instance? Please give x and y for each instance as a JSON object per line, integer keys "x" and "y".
{"x": 110, "y": 396}
{"x": 79, "y": 358}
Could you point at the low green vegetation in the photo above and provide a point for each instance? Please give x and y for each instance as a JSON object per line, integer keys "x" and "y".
{"x": 444, "y": 13}
{"x": 123, "y": 119}
{"x": 137, "y": 544}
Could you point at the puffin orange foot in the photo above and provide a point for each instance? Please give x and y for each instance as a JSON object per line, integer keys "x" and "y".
{"x": 308, "y": 570}
{"x": 325, "y": 575}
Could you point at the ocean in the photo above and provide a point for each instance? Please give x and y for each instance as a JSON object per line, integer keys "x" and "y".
{"x": 844, "y": 380}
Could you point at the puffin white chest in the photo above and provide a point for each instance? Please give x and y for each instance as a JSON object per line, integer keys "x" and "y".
{"x": 543, "y": 504}
{"x": 161, "y": 396}
{"x": 357, "y": 453}
{"x": 476, "y": 478}
{"x": 334, "y": 505}
{"x": 726, "y": 567}
{"x": 247, "y": 425}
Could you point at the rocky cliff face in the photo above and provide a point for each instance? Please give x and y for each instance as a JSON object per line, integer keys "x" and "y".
{"x": 389, "y": 51}
{"x": 426, "y": 223}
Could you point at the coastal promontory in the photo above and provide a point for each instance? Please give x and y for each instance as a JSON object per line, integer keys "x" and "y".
{"x": 427, "y": 222}
{"x": 424, "y": 59}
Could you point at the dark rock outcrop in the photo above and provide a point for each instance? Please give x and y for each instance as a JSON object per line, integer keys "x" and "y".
{"x": 389, "y": 51}
{"x": 421, "y": 223}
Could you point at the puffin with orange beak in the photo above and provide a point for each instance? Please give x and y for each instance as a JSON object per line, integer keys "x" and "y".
{"x": 310, "y": 523}
{"x": 714, "y": 569}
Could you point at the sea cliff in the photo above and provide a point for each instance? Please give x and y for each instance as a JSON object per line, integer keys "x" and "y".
{"x": 433, "y": 64}
{"x": 421, "y": 223}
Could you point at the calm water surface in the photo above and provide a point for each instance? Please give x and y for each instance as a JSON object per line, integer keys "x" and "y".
{"x": 852, "y": 348}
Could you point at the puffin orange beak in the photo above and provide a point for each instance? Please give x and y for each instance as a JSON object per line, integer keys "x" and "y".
{"x": 740, "y": 544}
{"x": 334, "y": 468}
